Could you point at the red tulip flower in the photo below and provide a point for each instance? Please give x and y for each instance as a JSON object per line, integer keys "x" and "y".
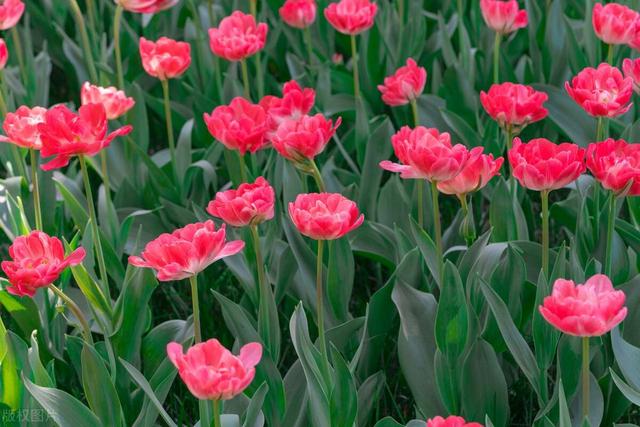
{"x": 65, "y": 134}
{"x": 514, "y": 106}
{"x": 299, "y": 13}
{"x": 616, "y": 165}
{"x": 541, "y": 165}
{"x": 165, "y": 58}
{"x": 4, "y": 54}
{"x": 37, "y": 262}
{"x": 237, "y": 37}
{"x": 295, "y": 103}
{"x": 21, "y": 127}
{"x": 601, "y": 92}
{"x": 588, "y": 310}
{"x": 211, "y": 372}
{"x": 115, "y": 102}
{"x": 451, "y": 421}
{"x": 351, "y": 16}
{"x": 10, "y": 13}
{"x": 324, "y": 216}
{"x": 240, "y": 125}
{"x": 187, "y": 251}
{"x": 303, "y": 139}
{"x": 503, "y": 17}
{"x": 146, "y": 6}
{"x": 631, "y": 68}
{"x": 405, "y": 86}
{"x": 475, "y": 175}
{"x": 427, "y": 154}
{"x": 614, "y": 23}
{"x": 250, "y": 204}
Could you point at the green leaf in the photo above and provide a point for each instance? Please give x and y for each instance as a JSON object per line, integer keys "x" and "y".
{"x": 452, "y": 318}
{"x": 340, "y": 277}
{"x": 343, "y": 403}
{"x": 38, "y": 371}
{"x": 253, "y": 411}
{"x": 99, "y": 391}
{"x": 627, "y": 357}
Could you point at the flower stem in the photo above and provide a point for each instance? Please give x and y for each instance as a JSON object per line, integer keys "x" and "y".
{"x": 468, "y": 227}
{"x": 496, "y": 57}
{"x": 264, "y": 289}
{"x": 15, "y": 36}
{"x": 197, "y": 334}
{"x": 211, "y": 12}
{"x": 415, "y": 113}
{"x": 420, "y": 195}
{"x": 259, "y": 76}
{"x": 86, "y": 330}
{"x": 309, "y": 44}
{"x": 105, "y": 175}
{"x": 436, "y": 225}
{"x": 216, "y": 414}
{"x": 317, "y": 176}
{"x": 610, "y": 54}
{"x": 600, "y": 129}
{"x": 245, "y": 79}
{"x": 243, "y": 167}
{"x": 253, "y": 5}
{"x": 117, "y": 19}
{"x": 356, "y": 71}
{"x": 94, "y": 226}
{"x": 36, "y": 188}
{"x": 401, "y": 11}
{"x": 84, "y": 37}
{"x": 320, "y": 309}
{"x": 608, "y": 257}
{"x": 169, "y": 119}
{"x": 585, "y": 378}
{"x": 91, "y": 13}
{"x": 544, "y": 195}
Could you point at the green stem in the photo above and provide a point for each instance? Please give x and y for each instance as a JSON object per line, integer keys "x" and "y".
{"x": 317, "y": 176}
{"x": 117, "y": 20}
{"x": 84, "y": 37}
{"x": 600, "y": 129}
{"x": 468, "y": 229}
{"x": 197, "y": 334}
{"x": 356, "y": 71}
{"x": 216, "y": 414}
{"x": 91, "y": 13}
{"x": 259, "y": 76}
{"x": 585, "y": 378}
{"x": 320, "y": 309}
{"x": 309, "y": 44}
{"x": 610, "y": 54}
{"x": 253, "y": 5}
{"x": 496, "y": 57}
{"x": 243, "y": 167}
{"x": 245, "y": 79}
{"x": 169, "y": 120}
{"x": 94, "y": 226}
{"x": 73, "y": 307}
{"x": 415, "y": 113}
{"x": 105, "y": 175}
{"x": 608, "y": 257}
{"x": 15, "y": 36}
{"x": 420, "y": 195}
{"x": 544, "y": 194}
{"x": 401, "y": 11}
{"x": 36, "y": 188}
{"x": 436, "y": 225}
{"x": 264, "y": 291}
{"x": 212, "y": 14}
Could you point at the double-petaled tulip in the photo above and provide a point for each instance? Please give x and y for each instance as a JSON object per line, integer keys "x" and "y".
{"x": 187, "y": 251}
{"x": 65, "y": 134}
{"x": 146, "y": 6}
{"x": 351, "y": 16}
{"x": 165, "y": 58}
{"x": 631, "y": 68}
{"x": 237, "y": 37}
{"x": 405, "y": 86}
{"x": 4, "y": 54}
{"x": 514, "y": 106}
{"x": 601, "y": 92}
{"x": 614, "y": 23}
{"x": 37, "y": 262}
{"x": 324, "y": 216}
{"x": 240, "y": 125}
{"x": 541, "y": 165}
{"x": 115, "y": 102}
{"x": 503, "y": 17}
{"x": 211, "y": 372}
{"x": 616, "y": 165}
{"x": 299, "y": 13}
{"x": 451, "y": 421}
{"x": 305, "y": 138}
{"x": 427, "y": 154}
{"x": 295, "y": 103}
{"x": 475, "y": 175}
{"x": 21, "y": 127}
{"x": 250, "y": 204}
{"x": 10, "y": 13}
{"x": 588, "y": 310}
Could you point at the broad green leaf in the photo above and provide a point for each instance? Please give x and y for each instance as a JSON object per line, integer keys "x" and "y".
{"x": 99, "y": 391}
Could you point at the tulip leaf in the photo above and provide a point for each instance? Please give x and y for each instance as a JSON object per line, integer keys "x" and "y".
{"x": 99, "y": 390}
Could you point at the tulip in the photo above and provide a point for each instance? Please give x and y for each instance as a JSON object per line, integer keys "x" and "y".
{"x": 295, "y": 103}
{"x": 115, "y": 102}
{"x": 184, "y": 253}
{"x": 631, "y": 68}
{"x": 588, "y": 310}
{"x": 211, "y": 372}
{"x": 37, "y": 260}
{"x": 298, "y": 13}
{"x": 21, "y": 129}
{"x": 543, "y": 166}
{"x": 10, "y": 13}
{"x": 238, "y": 37}
{"x": 323, "y": 216}
{"x": 601, "y": 92}
{"x": 451, "y": 421}
{"x": 404, "y": 87}
{"x": 614, "y": 24}
{"x": 503, "y": 17}
{"x": 352, "y": 17}
{"x": 514, "y": 106}
{"x": 146, "y": 6}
